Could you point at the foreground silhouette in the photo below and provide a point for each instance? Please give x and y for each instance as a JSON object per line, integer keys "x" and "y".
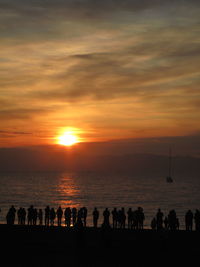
{"x": 73, "y": 217}
{"x": 104, "y": 246}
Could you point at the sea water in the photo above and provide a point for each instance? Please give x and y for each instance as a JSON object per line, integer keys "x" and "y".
{"x": 101, "y": 190}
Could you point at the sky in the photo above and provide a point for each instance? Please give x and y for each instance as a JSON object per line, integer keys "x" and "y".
{"x": 107, "y": 69}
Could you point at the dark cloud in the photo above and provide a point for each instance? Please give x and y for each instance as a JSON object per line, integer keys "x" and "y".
{"x": 22, "y": 113}
{"x": 13, "y": 134}
{"x": 89, "y": 8}
{"x": 82, "y": 9}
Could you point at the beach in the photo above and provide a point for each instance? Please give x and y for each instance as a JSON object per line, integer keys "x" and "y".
{"x": 61, "y": 246}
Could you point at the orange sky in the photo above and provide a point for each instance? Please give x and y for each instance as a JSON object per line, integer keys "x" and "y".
{"x": 107, "y": 69}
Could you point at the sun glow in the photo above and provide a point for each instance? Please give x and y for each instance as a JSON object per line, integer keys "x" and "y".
{"x": 67, "y": 139}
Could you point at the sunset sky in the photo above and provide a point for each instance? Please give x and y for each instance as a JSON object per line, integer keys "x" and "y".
{"x": 106, "y": 69}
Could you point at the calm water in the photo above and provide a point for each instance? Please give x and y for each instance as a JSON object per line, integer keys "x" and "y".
{"x": 100, "y": 190}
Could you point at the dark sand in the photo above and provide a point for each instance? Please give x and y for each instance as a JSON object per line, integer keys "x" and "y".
{"x": 59, "y": 246}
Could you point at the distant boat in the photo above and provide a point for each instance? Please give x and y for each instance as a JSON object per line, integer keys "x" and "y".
{"x": 169, "y": 177}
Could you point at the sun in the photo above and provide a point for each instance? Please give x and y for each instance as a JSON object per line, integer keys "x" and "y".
{"x": 67, "y": 139}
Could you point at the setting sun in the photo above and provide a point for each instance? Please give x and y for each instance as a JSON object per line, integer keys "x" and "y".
{"x": 67, "y": 139}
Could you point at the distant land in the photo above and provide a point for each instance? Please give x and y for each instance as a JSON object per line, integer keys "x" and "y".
{"x": 138, "y": 157}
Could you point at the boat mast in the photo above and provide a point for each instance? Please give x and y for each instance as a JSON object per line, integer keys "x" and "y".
{"x": 170, "y": 161}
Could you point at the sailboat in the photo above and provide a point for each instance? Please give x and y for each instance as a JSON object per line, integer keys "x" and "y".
{"x": 169, "y": 177}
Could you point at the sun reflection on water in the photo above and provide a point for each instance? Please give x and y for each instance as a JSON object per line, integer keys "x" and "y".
{"x": 68, "y": 192}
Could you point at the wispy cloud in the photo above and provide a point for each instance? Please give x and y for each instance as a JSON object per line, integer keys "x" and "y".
{"x": 117, "y": 66}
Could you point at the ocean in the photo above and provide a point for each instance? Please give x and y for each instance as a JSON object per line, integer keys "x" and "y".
{"x": 101, "y": 190}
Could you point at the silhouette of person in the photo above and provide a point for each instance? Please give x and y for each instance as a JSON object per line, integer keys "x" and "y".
{"x": 79, "y": 223}
{"x": 130, "y": 217}
{"x": 30, "y": 215}
{"x": 23, "y": 216}
{"x": 40, "y": 216}
{"x": 134, "y": 224}
{"x": 52, "y": 216}
{"x": 47, "y": 215}
{"x": 95, "y": 217}
{"x": 159, "y": 219}
{"x": 35, "y": 215}
{"x": 122, "y": 218}
{"x": 197, "y": 220}
{"x": 10, "y": 217}
{"x": 119, "y": 218}
{"x": 68, "y": 217}
{"x": 59, "y": 215}
{"x": 140, "y": 218}
{"x": 74, "y": 216}
{"x": 172, "y": 219}
{"x": 106, "y": 215}
{"x": 84, "y": 215}
{"x": 189, "y": 220}
{"x": 114, "y": 217}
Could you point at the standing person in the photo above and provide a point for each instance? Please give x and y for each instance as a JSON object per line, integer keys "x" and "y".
{"x": 95, "y": 217}
{"x": 172, "y": 219}
{"x": 30, "y": 215}
{"x": 23, "y": 216}
{"x": 68, "y": 217}
{"x": 74, "y": 216}
{"x": 159, "y": 219}
{"x": 59, "y": 215}
{"x": 189, "y": 220}
{"x": 52, "y": 216}
{"x": 130, "y": 216}
{"x": 114, "y": 217}
{"x": 47, "y": 215}
{"x": 134, "y": 224}
{"x": 35, "y": 215}
{"x": 10, "y": 217}
{"x": 84, "y": 214}
{"x": 106, "y": 215}
{"x": 79, "y": 223}
{"x": 140, "y": 218}
{"x": 123, "y": 218}
{"x": 40, "y": 216}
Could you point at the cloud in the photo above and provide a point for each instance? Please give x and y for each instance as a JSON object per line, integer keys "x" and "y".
{"x": 131, "y": 65}
{"x": 13, "y": 134}
{"x": 21, "y": 113}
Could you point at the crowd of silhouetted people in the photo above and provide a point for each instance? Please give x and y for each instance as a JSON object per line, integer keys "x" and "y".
{"x": 117, "y": 218}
